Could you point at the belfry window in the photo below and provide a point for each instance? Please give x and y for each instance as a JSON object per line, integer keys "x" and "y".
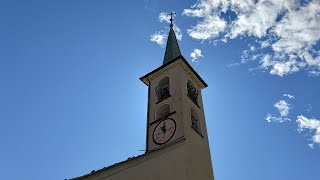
{"x": 163, "y": 111}
{"x": 192, "y": 92}
{"x": 163, "y": 89}
{"x": 195, "y": 123}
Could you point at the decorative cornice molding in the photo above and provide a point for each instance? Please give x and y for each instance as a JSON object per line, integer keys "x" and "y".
{"x": 186, "y": 66}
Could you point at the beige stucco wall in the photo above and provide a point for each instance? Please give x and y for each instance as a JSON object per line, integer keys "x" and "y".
{"x": 166, "y": 164}
{"x": 198, "y": 157}
{"x": 199, "y": 163}
{"x": 175, "y": 102}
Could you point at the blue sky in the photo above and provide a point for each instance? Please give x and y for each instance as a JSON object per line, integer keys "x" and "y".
{"x": 71, "y": 100}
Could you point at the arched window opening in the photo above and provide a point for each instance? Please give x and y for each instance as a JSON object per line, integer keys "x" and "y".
{"x": 163, "y": 111}
{"x": 163, "y": 89}
{"x": 195, "y": 123}
{"x": 192, "y": 92}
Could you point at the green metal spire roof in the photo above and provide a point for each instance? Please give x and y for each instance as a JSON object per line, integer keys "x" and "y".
{"x": 172, "y": 49}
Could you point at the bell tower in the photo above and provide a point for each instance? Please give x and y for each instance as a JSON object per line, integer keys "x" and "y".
{"x": 177, "y": 145}
{"x": 175, "y": 110}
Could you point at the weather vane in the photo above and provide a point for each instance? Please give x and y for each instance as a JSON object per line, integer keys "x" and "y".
{"x": 171, "y": 18}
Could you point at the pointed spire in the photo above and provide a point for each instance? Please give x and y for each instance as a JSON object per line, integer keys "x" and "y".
{"x": 172, "y": 48}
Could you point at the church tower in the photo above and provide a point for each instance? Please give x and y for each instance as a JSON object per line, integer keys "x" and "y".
{"x": 177, "y": 146}
{"x": 175, "y": 109}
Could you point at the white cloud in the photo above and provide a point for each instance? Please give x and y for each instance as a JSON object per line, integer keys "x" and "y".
{"x": 247, "y": 55}
{"x": 284, "y": 68}
{"x": 252, "y": 48}
{"x": 177, "y": 32}
{"x": 254, "y": 19}
{"x": 196, "y": 54}
{"x": 164, "y": 17}
{"x": 283, "y": 108}
{"x": 298, "y": 29}
{"x": 212, "y": 24}
{"x": 309, "y": 59}
{"x": 310, "y": 124}
{"x": 160, "y": 37}
{"x": 288, "y": 28}
{"x": 306, "y": 123}
{"x": 209, "y": 28}
{"x": 204, "y": 8}
{"x": 315, "y": 72}
{"x": 279, "y": 67}
{"x": 288, "y": 96}
{"x": 264, "y": 44}
{"x": 266, "y": 61}
{"x": 271, "y": 118}
{"x": 311, "y": 146}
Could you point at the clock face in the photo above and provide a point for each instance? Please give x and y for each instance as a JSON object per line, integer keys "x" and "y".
{"x": 164, "y": 131}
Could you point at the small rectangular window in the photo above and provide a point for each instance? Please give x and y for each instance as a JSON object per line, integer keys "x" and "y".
{"x": 163, "y": 89}
{"x": 193, "y": 93}
{"x": 194, "y": 124}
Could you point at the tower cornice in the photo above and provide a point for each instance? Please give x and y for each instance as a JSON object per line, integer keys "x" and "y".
{"x": 165, "y": 67}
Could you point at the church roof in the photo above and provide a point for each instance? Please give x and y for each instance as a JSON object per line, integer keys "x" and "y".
{"x": 130, "y": 159}
{"x": 172, "y": 48}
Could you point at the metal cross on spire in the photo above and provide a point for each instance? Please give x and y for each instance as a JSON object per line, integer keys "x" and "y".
{"x": 172, "y": 48}
{"x": 171, "y": 18}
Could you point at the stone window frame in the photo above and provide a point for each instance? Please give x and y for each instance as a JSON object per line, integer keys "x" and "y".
{"x": 157, "y": 115}
{"x": 195, "y": 118}
{"x": 192, "y": 92}
{"x": 160, "y": 87}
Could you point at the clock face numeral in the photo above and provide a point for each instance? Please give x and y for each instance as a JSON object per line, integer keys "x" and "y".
{"x": 164, "y": 131}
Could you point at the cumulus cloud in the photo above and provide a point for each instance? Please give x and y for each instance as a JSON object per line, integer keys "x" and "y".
{"x": 256, "y": 18}
{"x": 298, "y": 29}
{"x": 164, "y": 17}
{"x": 211, "y": 23}
{"x": 208, "y": 28}
{"x": 284, "y": 68}
{"x": 160, "y": 37}
{"x": 312, "y": 125}
{"x": 288, "y": 28}
{"x": 195, "y": 55}
{"x": 283, "y": 108}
